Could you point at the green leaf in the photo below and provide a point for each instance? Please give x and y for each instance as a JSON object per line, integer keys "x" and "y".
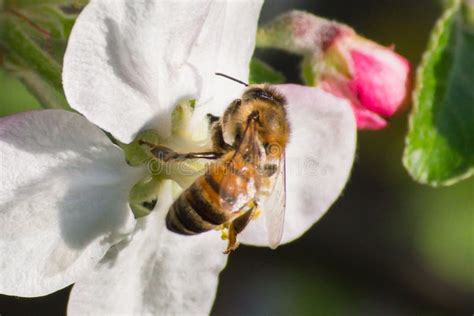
{"x": 440, "y": 142}
{"x": 44, "y": 92}
{"x": 33, "y": 39}
{"x": 22, "y": 49}
{"x": 261, "y": 72}
{"x": 14, "y": 97}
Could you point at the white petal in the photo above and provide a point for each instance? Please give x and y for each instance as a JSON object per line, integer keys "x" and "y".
{"x": 157, "y": 273}
{"x": 129, "y": 62}
{"x": 319, "y": 159}
{"x": 63, "y": 200}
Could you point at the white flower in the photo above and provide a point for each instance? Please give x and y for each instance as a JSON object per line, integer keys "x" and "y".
{"x": 64, "y": 214}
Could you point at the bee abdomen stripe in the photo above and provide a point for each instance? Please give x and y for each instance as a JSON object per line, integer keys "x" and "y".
{"x": 174, "y": 224}
{"x": 204, "y": 207}
{"x": 218, "y": 189}
{"x": 190, "y": 219}
{"x": 212, "y": 183}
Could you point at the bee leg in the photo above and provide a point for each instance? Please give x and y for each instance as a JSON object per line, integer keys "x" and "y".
{"x": 217, "y": 136}
{"x": 212, "y": 118}
{"x": 201, "y": 155}
{"x": 216, "y": 124}
{"x": 236, "y": 227}
{"x": 167, "y": 154}
{"x": 160, "y": 152}
{"x": 232, "y": 237}
{"x": 242, "y": 221}
{"x": 256, "y": 213}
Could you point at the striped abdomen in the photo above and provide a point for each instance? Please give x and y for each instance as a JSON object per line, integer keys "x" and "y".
{"x": 213, "y": 198}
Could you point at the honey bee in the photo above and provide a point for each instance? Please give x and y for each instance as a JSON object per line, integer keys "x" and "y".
{"x": 248, "y": 176}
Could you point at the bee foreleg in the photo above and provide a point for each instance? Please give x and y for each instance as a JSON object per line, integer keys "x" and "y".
{"x": 201, "y": 155}
{"x": 217, "y": 137}
{"x": 167, "y": 154}
{"x": 160, "y": 152}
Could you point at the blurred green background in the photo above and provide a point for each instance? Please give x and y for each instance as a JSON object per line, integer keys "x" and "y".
{"x": 389, "y": 246}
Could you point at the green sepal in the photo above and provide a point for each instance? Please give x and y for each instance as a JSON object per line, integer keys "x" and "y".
{"x": 261, "y": 72}
{"x": 307, "y": 72}
{"x": 143, "y": 196}
{"x": 277, "y": 34}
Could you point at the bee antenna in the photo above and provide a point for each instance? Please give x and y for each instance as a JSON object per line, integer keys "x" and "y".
{"x": 231, "y": 78}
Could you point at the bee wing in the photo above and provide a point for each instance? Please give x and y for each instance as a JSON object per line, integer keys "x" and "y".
{"x": 274, "y": 206}
{"x": 238, "y": 177}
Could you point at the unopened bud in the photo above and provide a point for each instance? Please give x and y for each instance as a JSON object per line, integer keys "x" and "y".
{"x": 372, "y": 77}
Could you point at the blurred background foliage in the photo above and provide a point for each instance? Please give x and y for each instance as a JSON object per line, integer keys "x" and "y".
{"x": 389, "y": 246}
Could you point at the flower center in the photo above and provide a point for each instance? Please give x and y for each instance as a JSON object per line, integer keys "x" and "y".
{"x": 151, "y": 150}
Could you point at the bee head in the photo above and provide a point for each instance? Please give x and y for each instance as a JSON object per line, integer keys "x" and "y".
{"x": 269, "y": 112}
{"x": 264, "y": 93}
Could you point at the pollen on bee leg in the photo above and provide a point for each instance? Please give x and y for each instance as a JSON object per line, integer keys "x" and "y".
{"x": 224, "y": 228}
{"x": 224, "y": 233}
{"x": 256, "y": 213}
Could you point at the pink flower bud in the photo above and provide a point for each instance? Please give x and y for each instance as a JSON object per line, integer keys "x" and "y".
{"x": 372, "y": 77}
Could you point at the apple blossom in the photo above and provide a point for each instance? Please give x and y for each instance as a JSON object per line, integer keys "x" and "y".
{"x": 372, "y": 77}
{"x": 64, "y": 201}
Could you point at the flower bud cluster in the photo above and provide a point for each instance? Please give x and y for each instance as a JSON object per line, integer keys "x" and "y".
{"x": 373, "y": 78}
